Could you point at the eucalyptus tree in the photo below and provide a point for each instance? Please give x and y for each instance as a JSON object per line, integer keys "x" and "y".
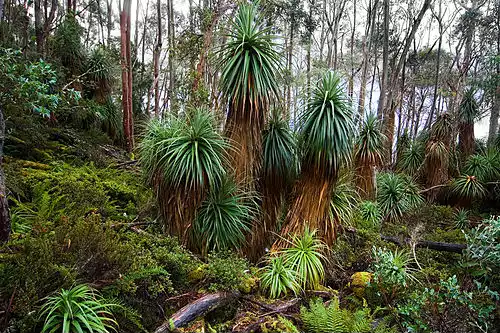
{"x": 126, "y": 62}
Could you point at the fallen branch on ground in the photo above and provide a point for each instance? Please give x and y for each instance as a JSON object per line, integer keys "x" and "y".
{"x": 438, "y": 246}
{"x": 196, "y": 309}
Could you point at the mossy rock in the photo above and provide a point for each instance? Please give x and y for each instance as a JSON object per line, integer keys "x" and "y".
{"x": 197, "y": 274}
{"x": 360, "y": 280}
{"x": 277, "y": 325}
{"x": 248, "y": 284}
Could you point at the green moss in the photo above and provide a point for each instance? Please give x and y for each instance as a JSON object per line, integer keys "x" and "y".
{"x": 226, "y": 271}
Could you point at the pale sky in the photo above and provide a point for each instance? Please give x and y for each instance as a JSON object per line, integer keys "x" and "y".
{"x": 481, "y": 127}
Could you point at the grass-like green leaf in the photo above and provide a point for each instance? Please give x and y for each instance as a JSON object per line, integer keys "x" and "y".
{"x": 278, "y": 278}
{"x": 225, "y": 217}
{"x": 327, "y": 125}
{"x": 79, "y": 309}
{"x": 304, "y": 256}
{"x": 397, "y": 194}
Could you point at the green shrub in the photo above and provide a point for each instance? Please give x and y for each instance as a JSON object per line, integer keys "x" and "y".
{"x": 391, "y": 272}
{"x": 226, "y": 271}
{"x": 65, "y": 190}
{"x": 165, "y": 252}
{"x": 151, "y": 281}
{"x": 448, "y": 308}
{"x": 483, "y": 247}
{"x": 78, "y": 309}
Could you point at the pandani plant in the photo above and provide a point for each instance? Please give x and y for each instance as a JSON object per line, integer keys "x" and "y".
{"x": 397, "y": 194}
{"x": 326, "y": 130}
{"x": 79, "y": 309}
{"x": 344, "y": 199}
{"x": 437, "y": 155}
{"x": 279, "y": 170}
{"x": 368, "y": 155}
{"x": 102, "y": 70}
{"x": 412, "y": 159}
{"x": 224, "y": 218}
{"x": 468, "y": 113}
{"x": 183, "y": 158}
{"x": 249, "y": 65}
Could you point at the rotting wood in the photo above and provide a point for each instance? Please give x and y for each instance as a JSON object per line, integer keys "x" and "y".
{"x": 196, "y": 309}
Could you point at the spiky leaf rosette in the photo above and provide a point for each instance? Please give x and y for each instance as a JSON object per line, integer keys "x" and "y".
{"x": 68, "y": 44}
{"x": 396, "y": 195}
{"x": 437, "y": 154}
{"x": 278, "y": 278}
{"x": 279, "y": 170}
{"x": 370, "y": 212}
{"x": 224, "y": 218}
{"x": 249, "y": 65}
{"x": 79, "y": 309}
{"x": 468, "y": 114}
{"x": 468, "y": 188}
{"x": 102, "y": 72}
{"x": 485, "y": 166}
{"x": 369, "y": 149}
{"x": 183, "y": 158}
{"x": 327, "y": 127}
{"x": 326, "y": 133}
{"x": 344, "y": 200}
{"x": 304, "y": 255}
{"x": 412, "y": 158}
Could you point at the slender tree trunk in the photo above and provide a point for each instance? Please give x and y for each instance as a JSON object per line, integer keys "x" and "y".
{"x": 207, "y": 42}
{"x": 47, "y": 26}
{"x": 2, "y": 5}
{"x": 438, "y": 63}
{"x": 495, "y": 110}
{"x": 308, "y": 55}
{"x": 128, "y": 130}
{"x": 38, "y": 27}
{"x": 353, "y": 35}
{"x": 371, "y": 15}
{"x": 156, "y": 60}
{"x": 171, "y": 53}
{"x": 385, "y": 62}
{"x": 101, "y": 23}
{"x": 288, "y": 107}
{"x": 4, "y": 203}
{"x": 109, "y": 23}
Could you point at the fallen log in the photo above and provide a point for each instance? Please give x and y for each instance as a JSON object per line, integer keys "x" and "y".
{"x": 196, "y": 309}
{"x": 438, "y": 246}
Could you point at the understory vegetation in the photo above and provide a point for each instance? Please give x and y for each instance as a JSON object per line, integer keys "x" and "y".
{"x": 234, "y": 218}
